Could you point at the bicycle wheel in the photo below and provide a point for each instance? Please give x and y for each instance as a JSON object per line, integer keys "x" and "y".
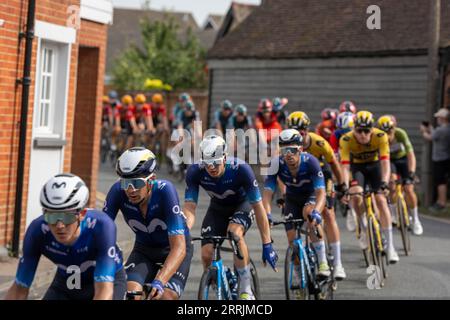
{"x": 208, "y": 285}
{"x": 358, "y": 232}
{"x": 402, "y": 213}
{"x": 374, "y": 253}
{"x": 255, "y": 281}
{"x": 292, "y": 286}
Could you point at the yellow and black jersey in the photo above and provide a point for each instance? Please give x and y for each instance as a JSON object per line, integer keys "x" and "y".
{"x": 353, "y": 152}
{"x": 320, "y": 148}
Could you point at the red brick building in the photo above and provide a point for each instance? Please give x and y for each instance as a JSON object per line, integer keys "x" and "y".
{"x": 67, "y": 71}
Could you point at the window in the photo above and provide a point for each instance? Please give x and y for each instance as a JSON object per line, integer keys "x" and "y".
{"x": 46, "y": 88}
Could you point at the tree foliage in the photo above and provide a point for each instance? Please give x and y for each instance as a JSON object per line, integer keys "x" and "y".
{"x": 162, "y": 55}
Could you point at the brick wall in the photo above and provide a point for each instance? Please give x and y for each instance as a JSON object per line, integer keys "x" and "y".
{"x": 12, "y": 56}
{"x": 88, "y": 109}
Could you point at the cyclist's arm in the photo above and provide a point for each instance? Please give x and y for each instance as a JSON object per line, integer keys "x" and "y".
{"x": 106, "y": 257}
{"x": 191, "y": 195}
{"x": 176, "y": 230}
{"x": 318, "y": 183}
{"x": 149, "y": 122}
{"x": 384, "y": 157}
{"x": 103, "y": 290}
{"x": 320, "y": 199}
{"x": 270, "y": 185}
{"x": 174, "y": 259}
{"x": 331, "y": 159}
{"x": 344, "y": 151}
{"x": 28, "y": 262}
{"x": 254, "y": 196}
{"x": 411, "y": 157}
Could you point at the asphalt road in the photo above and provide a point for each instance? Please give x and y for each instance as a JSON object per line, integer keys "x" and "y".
{"x": 423, "y": 275}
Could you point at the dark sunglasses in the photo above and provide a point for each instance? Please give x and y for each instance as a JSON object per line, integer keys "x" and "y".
{"x": 136, "y": 183}
{"x": 65, "y": 217}
{"x": 361, "y": 131}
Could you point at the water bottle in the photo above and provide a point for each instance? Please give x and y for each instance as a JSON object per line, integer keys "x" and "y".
{"x": 232, "y": 282}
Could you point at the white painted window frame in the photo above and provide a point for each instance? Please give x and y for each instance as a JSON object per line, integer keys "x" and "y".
{"x": 100, "y": 11}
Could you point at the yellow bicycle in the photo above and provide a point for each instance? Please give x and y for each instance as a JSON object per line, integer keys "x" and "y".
{"x": 403, "y": 218}
{"x": 375, "y": 253}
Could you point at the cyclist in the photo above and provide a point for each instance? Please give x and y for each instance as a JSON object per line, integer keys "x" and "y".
{"x": 305, "y": 190}
{"x": 266, "y": 122}
{"x": 80, "y": 241}
{"x": 161, "y": 123}
{"x": 321, "y": 150}
{"x": 279, "y": 105}
{"x": 125, "y": 119}
{"x": 179, "y": 108}
{"x": 403, "y": 164}
{"x": 347, "y": 106}
{"x": 143, "y": 118}
{"x": 344, "y": 123}
{"x": 235, "y": 200}
{"x": 107, "y": 113}
{"x": 365, "y": 152}
{"x": 241, "y": 120}
{"x": 162, "y": 250}
{"x": 223, "y": 116}
{"x": 326, "y": 128}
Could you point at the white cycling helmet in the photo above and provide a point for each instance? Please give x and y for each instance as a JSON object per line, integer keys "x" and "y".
{"x": 345, "y": 120}
{"x": 136, "y": 162}
{"x": 290, "y": 137}
{"x": 64, "y": 192}
{"x": 213, "y": 147}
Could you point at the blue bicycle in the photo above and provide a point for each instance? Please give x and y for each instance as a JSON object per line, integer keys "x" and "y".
{"x": 218, "y": 281}
{"x": 301, "y": 280}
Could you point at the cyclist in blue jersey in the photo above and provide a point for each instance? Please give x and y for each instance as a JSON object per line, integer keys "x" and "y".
{"x": 305, "y": 190}
{"x": 162, "y": 251}
{"x": 235, "y": 200}
{"x": 80, "y": 241}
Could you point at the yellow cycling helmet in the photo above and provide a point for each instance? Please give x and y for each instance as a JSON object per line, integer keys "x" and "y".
{"x": 157, "y": 98}
{"x": 127, "y": 99}
{"x": 105, "y": 99}
{"x": 364, "y": 119}
{"x": 386, "y": 123}
{"x": 298, "y": 120}
{"x": 140, "y": 98}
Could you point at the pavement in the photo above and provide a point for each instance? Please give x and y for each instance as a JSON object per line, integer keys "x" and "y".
{"x": 423, "y": 275}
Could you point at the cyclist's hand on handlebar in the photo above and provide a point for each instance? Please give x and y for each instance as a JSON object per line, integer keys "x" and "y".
{"x": 384, "y": 187}
{"x": 269, "y": 255}
{"x": 157, "y": 290}
{"x": 280, "y": 202}
{"x": 315, "y": 218}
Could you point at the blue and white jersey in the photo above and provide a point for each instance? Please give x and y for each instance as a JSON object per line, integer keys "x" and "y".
{"x": 95, "y": 254}
{"x": 164, "y": 217}
{"x": 308, "y": 179}
{"x": 225, "y": 122}
{"x": 237, "y": 184}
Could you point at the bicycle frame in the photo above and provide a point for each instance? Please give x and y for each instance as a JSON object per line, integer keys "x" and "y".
{"x": 297, "y": 244}
{"x": 399, "y": 196}
{"x": 222, "y": 281}
{"x": 370, "y": 214}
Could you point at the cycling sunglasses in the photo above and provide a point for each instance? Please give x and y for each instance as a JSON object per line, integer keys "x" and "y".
{"x": 135, "y": 183}
{"x": 289, "y": 150}
{"x": 212, "y": 162}
{"x": 361, "y": 131}
{"x": 65, "y": 217}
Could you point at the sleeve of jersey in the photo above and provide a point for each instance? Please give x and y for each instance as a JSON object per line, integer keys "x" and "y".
{"x": 344, "y": 150}
{"x": 192, "y": 186}
{"x": 148, "y": 111}
{"x": 329, "y": 154}
{"x": 31, "y": 254}
{"x": 384, "y": 147}
{"x": 250, "y": 183}
{"x": 316, "y": 174}
{"x": 176, "y": 221}
{"x": 112, "y": 203}
{"x": 334, "y": 142}
{"x": 408, "y": 145}
{"x": 105, "y": 263}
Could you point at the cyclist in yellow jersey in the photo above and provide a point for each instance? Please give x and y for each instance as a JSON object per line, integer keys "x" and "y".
{"x": 321, "y": 149}
{"x": 403, "y": 166}
{"x": 365, "y": 151}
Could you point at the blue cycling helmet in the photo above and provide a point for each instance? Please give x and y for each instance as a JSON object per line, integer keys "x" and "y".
{"x": 240, "y": 108}
{"x": 184, "y": 97}
{"x": 190, "y": 105}
{"x": 226, "y": 104}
